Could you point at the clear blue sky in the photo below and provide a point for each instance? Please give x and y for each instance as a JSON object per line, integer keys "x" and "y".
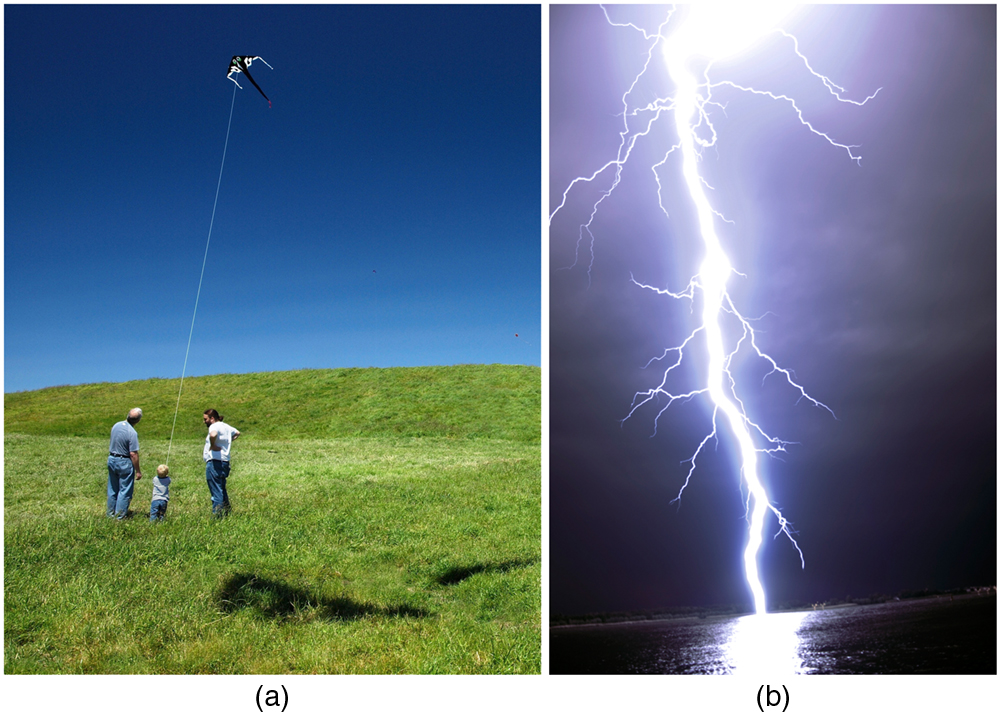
{"x": 384, "y": 212}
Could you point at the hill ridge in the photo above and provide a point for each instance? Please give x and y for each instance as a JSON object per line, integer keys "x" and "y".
{"x": 461, "y": 401}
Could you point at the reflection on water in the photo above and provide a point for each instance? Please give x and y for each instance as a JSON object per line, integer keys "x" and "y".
{"x": 759, "y": 643}
{"x": 935, "y": 635}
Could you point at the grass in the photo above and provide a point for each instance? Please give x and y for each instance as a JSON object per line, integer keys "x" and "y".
{"x": 359, "y": 549}
{"x": 470, "y": 401}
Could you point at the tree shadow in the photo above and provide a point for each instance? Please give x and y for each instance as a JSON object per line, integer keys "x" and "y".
{"x": 457, "y": 574}
{"x": 279, "y": 600}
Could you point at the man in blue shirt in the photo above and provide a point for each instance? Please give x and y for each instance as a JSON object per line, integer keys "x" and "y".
{"x": 123, "y": 464}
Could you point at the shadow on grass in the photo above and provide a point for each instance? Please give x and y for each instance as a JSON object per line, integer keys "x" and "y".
{"x": 457, "y": 574}
{"x": 279, "y": 600}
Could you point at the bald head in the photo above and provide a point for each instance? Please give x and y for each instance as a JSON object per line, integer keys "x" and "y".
{"x": 134, "y": 416}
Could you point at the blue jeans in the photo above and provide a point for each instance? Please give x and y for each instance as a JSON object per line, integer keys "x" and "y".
{"x": 216, "y": 472}
{"x": 121, "y": 482}
{"x": 157, "y": 510}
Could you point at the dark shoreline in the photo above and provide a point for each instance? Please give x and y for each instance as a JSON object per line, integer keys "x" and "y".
{"x": 715, "y": 612}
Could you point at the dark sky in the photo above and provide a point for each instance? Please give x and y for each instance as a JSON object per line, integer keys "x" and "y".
{"x": 875, "y": 283}
{"x": 384, "y": 212}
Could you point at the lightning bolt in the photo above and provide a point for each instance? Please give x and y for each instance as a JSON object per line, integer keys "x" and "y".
{"x": 707, "y": 33}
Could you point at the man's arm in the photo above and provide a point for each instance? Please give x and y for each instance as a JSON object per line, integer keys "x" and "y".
{"x": 135, "y": 463}
{"x": 236, "y": 434}
{"x": 212, "y": 437}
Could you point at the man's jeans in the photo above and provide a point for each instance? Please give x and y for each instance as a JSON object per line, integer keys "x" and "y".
{"x": 216, "y": 472}
{"x": 121, "y": 482}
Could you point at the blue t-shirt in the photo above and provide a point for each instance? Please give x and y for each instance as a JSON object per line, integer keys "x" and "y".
{"x": 161, "y": 488}
{"x": 124, "y": 439}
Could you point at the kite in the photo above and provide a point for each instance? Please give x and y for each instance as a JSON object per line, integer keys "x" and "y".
{"x": 241, "y": 64}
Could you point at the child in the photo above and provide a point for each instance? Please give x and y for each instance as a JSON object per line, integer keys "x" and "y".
{"x": 161, "y": 494}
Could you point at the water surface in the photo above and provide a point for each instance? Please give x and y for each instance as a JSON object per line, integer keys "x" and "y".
{"x": 933, "y": 635}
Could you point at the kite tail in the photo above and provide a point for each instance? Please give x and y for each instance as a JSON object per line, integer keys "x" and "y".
{"x": 246, "y": 72}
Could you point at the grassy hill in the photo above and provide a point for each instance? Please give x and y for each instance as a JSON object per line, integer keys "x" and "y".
{"x": 384, "y": 521}
{"x": 462, "y": 401}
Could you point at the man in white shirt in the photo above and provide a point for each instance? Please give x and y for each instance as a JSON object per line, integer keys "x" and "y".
{"x": 216, "y": 455}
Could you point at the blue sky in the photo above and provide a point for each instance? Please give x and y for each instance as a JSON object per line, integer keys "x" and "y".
{"x": 384, "y": 212}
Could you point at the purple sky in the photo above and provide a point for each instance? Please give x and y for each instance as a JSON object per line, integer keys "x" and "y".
{"x": 875, "y": 283}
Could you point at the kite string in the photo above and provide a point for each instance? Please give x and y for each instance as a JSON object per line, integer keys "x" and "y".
{"x": 202, "y": 277}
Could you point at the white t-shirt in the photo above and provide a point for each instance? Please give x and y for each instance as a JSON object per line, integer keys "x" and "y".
{"x": 224, "y": 441}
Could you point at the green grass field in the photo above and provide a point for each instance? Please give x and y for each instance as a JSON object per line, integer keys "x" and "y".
{"x": 384, "y": 521}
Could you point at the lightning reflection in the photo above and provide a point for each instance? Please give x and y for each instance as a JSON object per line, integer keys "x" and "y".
{"x": 765, "y": 645}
